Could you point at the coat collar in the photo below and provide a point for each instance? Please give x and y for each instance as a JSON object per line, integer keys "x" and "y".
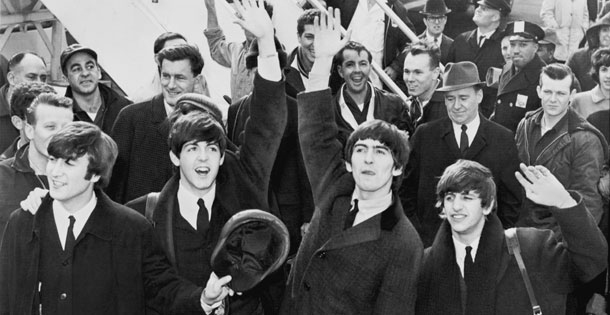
{"x": 528, "y": 76}
{"x": 158, "y": 109}
{"x": 21, "y": 163}
{"x": 478, "y": 143}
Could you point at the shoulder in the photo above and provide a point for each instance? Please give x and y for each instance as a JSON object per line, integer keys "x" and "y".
{"x": 496, "y": 129}
{"x": 123, "y": 216}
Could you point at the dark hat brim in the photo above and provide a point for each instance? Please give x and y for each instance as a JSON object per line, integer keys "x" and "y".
{"x": 65, "y": 58}
{"x": 449, "y": 88}
{"x": 435, "y": 13}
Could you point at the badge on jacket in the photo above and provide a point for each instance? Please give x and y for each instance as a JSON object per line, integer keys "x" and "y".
{"x": 521, "y": 101}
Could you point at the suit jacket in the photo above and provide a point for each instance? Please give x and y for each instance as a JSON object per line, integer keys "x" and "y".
{"x": 118, "y": 264}
{"x": 465, "y": 48}
{"x": 143, "y": 165}
{"x": 433, "y": 148}
{"x": 435, "y": 109}
{"x": 113, "y": 103}
{"x": 294, "y": 82}
{"x": 446, "y": 42}
{"x": 554, "y": 268}
{"x": 517, "y": 93}
{"x": 8, "y": 132}
{"x": 370, "y": 268}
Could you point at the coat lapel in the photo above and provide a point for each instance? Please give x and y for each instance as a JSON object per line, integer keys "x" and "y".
{"x": 364, "y": 232}
{"x": 480, "y": 140}
{"x": 449, "y": 138}
{"x": 521, "y": 81}
{"x": 159, "y": 116}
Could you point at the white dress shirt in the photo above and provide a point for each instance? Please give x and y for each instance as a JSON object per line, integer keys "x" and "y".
{"x": 168, "y": 108}
{"x": 187, "y": 203}
{"x": 460, "y": 252}
{"x": 62, "y": 221}
{"x": 486, "y": 36}
{"x": 472, "y": 126}
{"x": 370, "y": 208}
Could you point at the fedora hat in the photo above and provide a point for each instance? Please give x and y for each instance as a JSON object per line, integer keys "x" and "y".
{"x": 435, "y": 7}
{"x": 550, "y": 38}
{"x": 460, "y": 75}
{"x": 252, "y": 244}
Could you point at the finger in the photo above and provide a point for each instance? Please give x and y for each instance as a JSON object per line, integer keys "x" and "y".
{"x": 224, "y": 281}
{"x": 543, "y": 170}
{"x": 527, "y": 172}
{"x": 535, "y": 172}
{"x": 316, "y": 25}
{"x": 337, "y": 20}
{"x": 324, "y": 18}
{"x": 524, "y": 182}
{"x": 239, "y": 8}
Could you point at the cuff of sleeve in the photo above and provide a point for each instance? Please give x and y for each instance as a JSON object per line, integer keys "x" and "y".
{"x": 209, "y": 309}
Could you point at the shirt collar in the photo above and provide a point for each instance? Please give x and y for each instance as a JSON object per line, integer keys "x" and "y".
{"x": 81, "y": 216}
{"x": 187, "y": 203}
{"x": 373, "y": 205}
{"x": 460, "y": 249}
{"x": 472, "y": 126}
{"x": 168, "y": 108}
{"x": 486, "y": 35}
{"x": 431, "y": 38}
{"x": 597, "y": 95}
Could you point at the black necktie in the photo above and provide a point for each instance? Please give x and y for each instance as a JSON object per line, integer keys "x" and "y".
{"x": 468, "y": 265}
{"x": 481, "y": 40}
{"x": 464, "y": 140}
{"x": 70, "y": 240}
{"x": 415, "y": 110}
{"x": 202, "y": 216}
{"x": 351, "y": 216}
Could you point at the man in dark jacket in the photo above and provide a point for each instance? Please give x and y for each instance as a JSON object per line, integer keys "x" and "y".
{"x": 435, "y": 17}
{"x": 212, "y": 183}
{"x": 93, "y": 102}
{"x": 358, "y": 100}
{"x": 302, "y": 57}
{"x": 556, "y": 137}
{"x": 141, "y": 130}
{"x": 27, "y": 169}
{"x": 421, "y": 74}
{"x": 360, "y": 255}
{"x": 469, "y": 269}
{"x": 519, "y": 78}
{"x": 465, "y": 134}
{"x": 483, "y": 45}
{"x": 82, "y": 253}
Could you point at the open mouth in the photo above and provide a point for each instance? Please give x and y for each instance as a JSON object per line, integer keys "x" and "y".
{"x": 458, "y": 217}
{"x": 57, "y": 184}
{"x": 202, "y": 171}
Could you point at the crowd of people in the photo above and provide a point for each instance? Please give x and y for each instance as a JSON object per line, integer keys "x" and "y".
{"x": 484, "y": 191}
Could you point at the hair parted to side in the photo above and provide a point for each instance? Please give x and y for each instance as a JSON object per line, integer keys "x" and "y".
{"x": 466, "y": 176}
{"x": 600, "y": 58}
{"x": 24, "y": 94}
{"x": 182, "y": 52}
{"x": 306, "y": 19}
{"x": 196, "y": 126}
{"x": 395, "y": 139}
{"x": 160, "y": 41}
{"x": 351, "y": 45}
{"x": 558, "y": 71}
{"x": 425, "y": 48}
{"x": 50, "y": 99}
{"x": 81, "y": 138}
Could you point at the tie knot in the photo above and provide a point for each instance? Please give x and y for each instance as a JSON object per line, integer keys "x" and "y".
{"x": 356, "y": 204}
{"x": 72, "y": 220}
{"x": 201, "y": 203}
{"x": 468, "y": 250}
{"x": 464, "y": 127}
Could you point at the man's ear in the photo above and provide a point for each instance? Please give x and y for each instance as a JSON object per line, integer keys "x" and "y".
{"x": 539, "y": 91}
{"x": 339, "y": 71}
{"x": 29, "y": 131}
{"x": 175, "y": 160}
{"x": 94, "y": 178}
{"x": 348, "y": 166}
{"x": 17, "y": 122}
{"x": 490, "y": 207}
{"x": 396, "y": 171}
{"x": 10, "y": 77}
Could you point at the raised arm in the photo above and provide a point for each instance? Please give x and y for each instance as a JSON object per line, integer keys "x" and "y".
{"x": 220, "y": 48}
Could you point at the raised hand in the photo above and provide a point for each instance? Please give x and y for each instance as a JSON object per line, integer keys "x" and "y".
{"x": 327, "y": 32}
{"x": 254, "y": 18}
{"x": 216, "y": 289}
{"x": 543, "y": 188}
{"x": 33, "y": 200}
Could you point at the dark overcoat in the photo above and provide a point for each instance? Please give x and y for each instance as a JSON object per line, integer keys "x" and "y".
{"x": 118, "y": 264}
{"x": 370, "y": 268}
{"x": 517, "y": 93}
{"x": 554, "y": 268}
{"x": 466, "y": 48}
{"x": 446, "y": 42}
{"x": 433, "y": 148}
{"x": 143, "y": 163}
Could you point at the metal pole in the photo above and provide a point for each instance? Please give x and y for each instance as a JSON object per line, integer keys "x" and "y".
{"x": 403, "y": 27}
{"x": 382, "y": 75}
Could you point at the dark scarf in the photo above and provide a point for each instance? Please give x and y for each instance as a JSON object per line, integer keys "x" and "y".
{"x": 301, "y": 62}
{"x": 442, "y": 294}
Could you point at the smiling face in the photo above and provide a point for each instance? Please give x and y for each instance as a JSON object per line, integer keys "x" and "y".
{"x": 418, "y": 75}
{"x": 49, "y": 120}
{"x": 177, "y": 78}
{"x": 355, "y": 70}
{"x": 465, "y": 214}
{"x": 83, "y": 73}
{"x": 199, "y": 163}
{"x": 372, "y": 166}
{"x": 68, "y": 183}
{"x": 306, "y": 41}
{"x": 463, "y": 104}
{"x": 604, "y": 37}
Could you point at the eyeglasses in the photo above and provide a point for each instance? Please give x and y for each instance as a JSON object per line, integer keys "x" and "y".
{"x": 436, "y": 19}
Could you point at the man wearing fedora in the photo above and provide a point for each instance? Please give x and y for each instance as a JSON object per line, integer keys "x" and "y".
{"x": 519, "y": 79}
{"x": 465, "y": 134}
{"x": 93, "y": 102}
{"x": 435, "y": 17}
{"x": 482, "y": 46}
